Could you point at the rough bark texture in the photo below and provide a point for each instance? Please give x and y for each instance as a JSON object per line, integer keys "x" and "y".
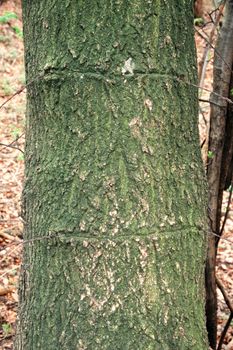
{"x": 114, "y": 182}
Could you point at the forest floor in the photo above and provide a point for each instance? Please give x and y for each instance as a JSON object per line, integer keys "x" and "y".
{"x": 12, "y": 120}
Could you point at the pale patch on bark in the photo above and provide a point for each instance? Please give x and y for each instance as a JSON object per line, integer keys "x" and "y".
{"x": 135, "y": 125}
{"x": 128, "y": 67}
{"x": 148, "y": 104}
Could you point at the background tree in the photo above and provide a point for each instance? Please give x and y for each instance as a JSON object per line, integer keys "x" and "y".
{"x": 220, "y": 147}
{"x": 115, "y": 193}
{"x": 203, "y": 7}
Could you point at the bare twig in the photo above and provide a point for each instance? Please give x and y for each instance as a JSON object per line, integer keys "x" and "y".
{"x": 224, "y": 332}
{"x": 205, "y": 89}
{"x": 225, "y": 296}
{"x": 227, "y": 211}
{"x": 17, "y": 138}
{"x": 230, "y": 307}
{"x": 11, "y": 146}
{"x": 21, "y": 90}
{"x": 213, "y": 47}
{"x": 12, "y": 96}
{"x": 208, "y": 101}
{"x": 204, "y": 60}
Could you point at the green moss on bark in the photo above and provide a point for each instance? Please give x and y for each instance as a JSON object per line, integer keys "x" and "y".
{"x": 114, "y": 181}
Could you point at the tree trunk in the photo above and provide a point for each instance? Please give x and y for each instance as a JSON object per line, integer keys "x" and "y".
{"x": 220, "y": 146}
{"x": 115, "y": 192}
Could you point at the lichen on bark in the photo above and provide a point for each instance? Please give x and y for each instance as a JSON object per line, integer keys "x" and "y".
{"x": 114, "y": 187}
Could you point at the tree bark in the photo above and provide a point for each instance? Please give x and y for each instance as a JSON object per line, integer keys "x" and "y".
{"x": 220, "y": 146}
{"x": 115, "y": 192}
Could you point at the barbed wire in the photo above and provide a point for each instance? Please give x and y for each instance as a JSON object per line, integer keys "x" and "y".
{"x": 41, "y": 74}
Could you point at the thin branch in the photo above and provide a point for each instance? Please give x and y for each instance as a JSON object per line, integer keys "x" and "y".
{"x": 205, "y": 89}
{"x": 11, "y": 146}
{"x": 21, "y": 90}
{"x": 225, "y": 296}
{"x": 17, "y": 138}
{"x": 213, "y": 47}
{"x": 218, "y": 236}
{"x": 209, "y": 42}
{"x": 224, "y": 332}
{"x": 12, "y": 96}
{"x": 208, "y": 101}
{"x": 227, "y": 210}
{"x": 204, "y": 61}
{"x": 230, "y": 307}
{"x": 213, "y": 12}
